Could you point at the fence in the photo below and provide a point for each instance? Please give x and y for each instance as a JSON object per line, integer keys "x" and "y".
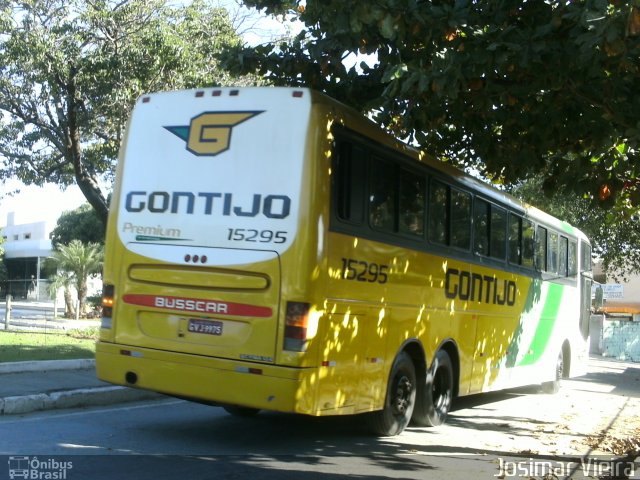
{"x": 26, "y": 289}
{"x": 615, "y": 338}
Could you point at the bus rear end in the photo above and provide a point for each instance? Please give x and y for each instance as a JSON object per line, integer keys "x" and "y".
{"x": 206, "y": 202}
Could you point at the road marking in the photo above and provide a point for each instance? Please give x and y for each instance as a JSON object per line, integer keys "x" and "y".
{"x": 53, "y": 414}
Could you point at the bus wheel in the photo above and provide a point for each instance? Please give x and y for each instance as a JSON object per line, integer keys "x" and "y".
{"x": 434, "y": 398}
{"x": 554, "y": 386}
{"x": 239, "y": 411}
{"x": 399, "y": 400}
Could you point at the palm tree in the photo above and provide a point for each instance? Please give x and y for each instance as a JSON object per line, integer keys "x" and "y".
{"x": 80, "y": 260}
{"x": 64, "y": 280}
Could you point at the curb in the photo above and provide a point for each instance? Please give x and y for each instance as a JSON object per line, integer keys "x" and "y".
{"x": 82, "y": 397}
{"x": 47, "y": 365}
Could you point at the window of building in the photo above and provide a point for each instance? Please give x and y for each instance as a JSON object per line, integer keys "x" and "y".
{"x": 26, "y": 236}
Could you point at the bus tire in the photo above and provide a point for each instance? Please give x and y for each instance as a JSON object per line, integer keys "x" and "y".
{"x": 238, "y": 411}
{"x": 399, "y": 400}
{"x": 554, "y": 385}
{"x": 434, "y": 399}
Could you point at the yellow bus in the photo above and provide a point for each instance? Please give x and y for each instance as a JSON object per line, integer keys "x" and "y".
{"x": 270, "y": 248}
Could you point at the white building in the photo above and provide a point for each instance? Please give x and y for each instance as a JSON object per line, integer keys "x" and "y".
{"x": 621, "y": 297}
{"x": 25, "y": 246}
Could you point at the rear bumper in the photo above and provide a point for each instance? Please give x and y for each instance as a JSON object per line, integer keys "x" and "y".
{"x": 267, "y": 387}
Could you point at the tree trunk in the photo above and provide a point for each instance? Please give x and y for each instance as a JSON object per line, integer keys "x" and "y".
{"x": 86, "y": 181}
{"x": 82, "y": 297}
{"x": 94, "y": 196}
{"x": 70, "y": 311}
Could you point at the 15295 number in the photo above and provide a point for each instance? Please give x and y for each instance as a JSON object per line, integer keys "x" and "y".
{"x": 362, "y": 271}
{"x": 260, "y": 236}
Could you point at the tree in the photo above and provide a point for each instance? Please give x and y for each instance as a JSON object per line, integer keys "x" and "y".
{"x": 3, "y": 267}
{"x": 615, "y": 240}
{"x": 80, "y": 224}
{"x": 64, "y": 280}
{"x": 78, "y": 260}
{"x": 70, "y": 71}
{"x": 510, "y": 89}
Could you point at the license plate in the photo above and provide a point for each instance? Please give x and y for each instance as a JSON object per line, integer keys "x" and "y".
{"x": 209, "y": 327}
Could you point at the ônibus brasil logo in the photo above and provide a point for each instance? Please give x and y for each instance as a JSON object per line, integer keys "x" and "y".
{"x": 32, "y": 468}
{"x": 210, "y": 132}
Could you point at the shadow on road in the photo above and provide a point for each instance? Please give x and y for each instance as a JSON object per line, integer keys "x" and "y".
{"x": 610, "y": 376}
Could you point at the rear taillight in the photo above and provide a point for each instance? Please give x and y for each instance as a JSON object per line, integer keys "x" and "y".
{"x": 296, "y": 326}
{"x": 108, "y": 292}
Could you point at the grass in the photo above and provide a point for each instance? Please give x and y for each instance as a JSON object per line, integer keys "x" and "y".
{"x": 20, "y": 346}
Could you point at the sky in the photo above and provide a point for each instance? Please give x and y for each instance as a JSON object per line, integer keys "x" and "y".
{"x": 35, "y": 204}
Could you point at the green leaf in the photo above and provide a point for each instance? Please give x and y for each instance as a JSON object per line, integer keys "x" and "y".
{"x": 388, "y": 27}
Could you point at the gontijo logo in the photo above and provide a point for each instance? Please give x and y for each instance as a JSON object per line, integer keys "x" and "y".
{"x": 210, "y": 132}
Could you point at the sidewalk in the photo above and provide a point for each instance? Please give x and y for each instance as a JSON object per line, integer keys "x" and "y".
{"x": 51, "y": 384}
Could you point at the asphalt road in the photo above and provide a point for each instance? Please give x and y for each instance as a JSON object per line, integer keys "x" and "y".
{"x": 176, "y": 439}
{"x": 26, "y": 312}
{"x": 518, "y": 429}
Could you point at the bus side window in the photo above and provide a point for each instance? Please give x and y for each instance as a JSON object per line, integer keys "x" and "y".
{"x": 498, "y": 238}
{"x": 481, "y": 227}
{"x": 412, "y": 203}
{"x": 528, "y": 243}
{"x": 350, "y": 170}
{"x": 438, "y": 212}
{"x": 552, "y": 252}
{"x": 572, "y": 261}
{"x": 460, "y": 219}
{"x": 562, "y": 256}
{"x": 586, "y": 256}
{"x": 541, "y": 248}
{"x": 383, "y": 186}
{"x": 514, "y": 241}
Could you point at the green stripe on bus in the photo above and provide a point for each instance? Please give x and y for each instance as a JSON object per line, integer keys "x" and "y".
{"x": 569, "y": 229}
{"x": 546, "y": 322}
